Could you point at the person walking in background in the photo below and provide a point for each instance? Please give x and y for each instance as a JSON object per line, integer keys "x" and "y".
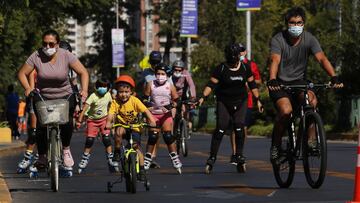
{"x": 22, "y": 115}
{"x": 12, "y": 108}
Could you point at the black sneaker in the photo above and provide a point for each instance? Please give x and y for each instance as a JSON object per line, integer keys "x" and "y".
{"x": 233, "y": 159}
{"x": 274, "y": 154}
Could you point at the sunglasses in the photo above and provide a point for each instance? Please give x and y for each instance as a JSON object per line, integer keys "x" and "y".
{"x": 298, "y": 23}
{"x": 51, "y": 44}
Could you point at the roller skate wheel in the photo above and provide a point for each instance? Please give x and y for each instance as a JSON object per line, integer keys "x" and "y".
{"x": 80, "y": 170}
{"x": 21, "y": 171}
{"x": 208, "y": 169}
{"x": 34, "y": 175}
{"x": 147, "y": 185}
{"x": 178, "y": 170}
{"x": 241, "y": 168}
{"x": 109, "y": 186}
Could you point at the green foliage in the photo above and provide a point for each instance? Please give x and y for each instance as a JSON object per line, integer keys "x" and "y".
{"x": 261, "y": 128}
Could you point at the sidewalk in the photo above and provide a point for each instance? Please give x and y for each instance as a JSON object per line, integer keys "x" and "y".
{"x": 7, "y": 149}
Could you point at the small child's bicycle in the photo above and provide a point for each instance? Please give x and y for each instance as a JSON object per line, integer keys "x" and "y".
{"x": 129, "y": 159}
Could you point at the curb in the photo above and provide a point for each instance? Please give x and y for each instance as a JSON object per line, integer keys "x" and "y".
{"x": 6, "y": 150}
{"x": 5, "y": 195}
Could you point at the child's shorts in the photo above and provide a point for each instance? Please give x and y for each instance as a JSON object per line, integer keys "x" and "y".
{"x": 93, "y": 127}
{"x": 162, "y": 118}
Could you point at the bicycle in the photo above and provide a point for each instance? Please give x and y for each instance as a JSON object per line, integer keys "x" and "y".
{"x": 303, "y": 145}
{"x": 52, "y": 113}
{"x": 181, "y": 129}
{"x": 129, "y": 159}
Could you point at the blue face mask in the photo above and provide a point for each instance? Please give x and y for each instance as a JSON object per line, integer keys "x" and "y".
{"x": 295, "y": 31}
{"x": 101, "y": 90}
{"x": 242, "y": 58}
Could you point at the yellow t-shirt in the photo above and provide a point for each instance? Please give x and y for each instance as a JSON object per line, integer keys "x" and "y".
{"x": 98, "y": 106}
{"x": 127, "y": 113}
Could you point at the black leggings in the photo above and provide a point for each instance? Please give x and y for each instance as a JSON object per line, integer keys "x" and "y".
{"x": 65, "y": 129}
{"x": 225, "y": 113}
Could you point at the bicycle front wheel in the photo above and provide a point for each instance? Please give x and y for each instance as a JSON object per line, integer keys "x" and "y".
{"x": 54, "y": 162}
{"x": 132, "y": 172}
{"x": 284, "y": 167}
{"x": 183, "y": 138}
{"x": 314, "y": 150}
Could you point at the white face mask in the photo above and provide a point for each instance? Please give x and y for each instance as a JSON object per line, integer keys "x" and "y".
{"x": 49, "y": 51}
{"x": 177, "y": 74}
{"x": 161, "y": 78}
{"x": 295, "y": 31}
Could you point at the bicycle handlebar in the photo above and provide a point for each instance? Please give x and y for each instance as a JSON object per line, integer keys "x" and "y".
{"x": 306, "y": 86}
{"x": 135, "y": 125}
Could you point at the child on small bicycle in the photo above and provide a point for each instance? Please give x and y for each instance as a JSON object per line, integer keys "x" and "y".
{"x": 163, "y": 98}
{"x": 124, "y": 110}
{"x": 96, "y": 108}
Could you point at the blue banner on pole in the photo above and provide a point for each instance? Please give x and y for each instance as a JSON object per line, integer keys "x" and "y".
{"x": 118, "y": 51}
{"x": 246, "y": 5}
{"x": 189, "y": 18}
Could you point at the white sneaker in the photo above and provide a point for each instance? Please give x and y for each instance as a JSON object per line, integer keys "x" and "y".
{"x": 68, "y": 160}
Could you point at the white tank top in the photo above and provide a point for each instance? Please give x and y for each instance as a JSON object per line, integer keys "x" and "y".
{"x": 160, "y": 97}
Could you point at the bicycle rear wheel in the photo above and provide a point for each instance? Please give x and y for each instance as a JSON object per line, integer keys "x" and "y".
{"x": 184, "y": 135}
{"x": 132, "y": 172}
{"x": 54, "y": 163}
{"x": 284, "y": 168}
{"x": 314, "y": 150}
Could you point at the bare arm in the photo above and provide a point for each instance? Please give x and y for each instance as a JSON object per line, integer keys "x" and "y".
{"x": 109, "y": 121}
{"x": 81, "y": 117}
{"x": 150, "y": 118}
{"x": 174, "y": 95}
{"x": 191, "y": 86}
{"x": 207, "y": 90}
{"x": 325, "y": 63}
{"x": 147, "y": 90}
{"x": 255, "y": 92}
{"x": 32, "y": 79}
{"x": 79, "y": 68}
{"x": 23, "y": 76}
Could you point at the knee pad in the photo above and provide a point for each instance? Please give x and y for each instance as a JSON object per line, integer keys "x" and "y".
{"x": 89, "y": 142}
{"x": 106, "y": 140}
{"x": 218, "y": 134}
{"x": 153, "y": 136}
{"x": 31, "y": 136}
{"x": 169, "y": 138}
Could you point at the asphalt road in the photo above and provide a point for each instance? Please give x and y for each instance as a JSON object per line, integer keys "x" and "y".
{"x": 223, "y": 185}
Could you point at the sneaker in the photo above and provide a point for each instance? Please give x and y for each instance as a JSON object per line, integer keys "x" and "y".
{"x": 274, "y": 154}
{"x": 68, "y": 160}
{"x": 147, "y": 161}
{"x": 233, "y": 159}
{"x": 175, "y": 160}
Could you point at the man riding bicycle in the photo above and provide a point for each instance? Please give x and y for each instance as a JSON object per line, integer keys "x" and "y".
{"x": 290, "y": 50}
{"x": 183, "y": 83}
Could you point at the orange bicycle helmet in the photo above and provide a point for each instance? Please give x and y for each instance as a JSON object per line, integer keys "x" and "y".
{"x": 127, "y": 79}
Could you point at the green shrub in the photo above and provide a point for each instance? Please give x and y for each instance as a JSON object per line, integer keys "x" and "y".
{"x": 261, "y": 129}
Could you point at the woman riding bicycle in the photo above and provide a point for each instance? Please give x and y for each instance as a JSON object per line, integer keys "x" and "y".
{"x": 229, "y": 81}
{"x": 52, "y": 65}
